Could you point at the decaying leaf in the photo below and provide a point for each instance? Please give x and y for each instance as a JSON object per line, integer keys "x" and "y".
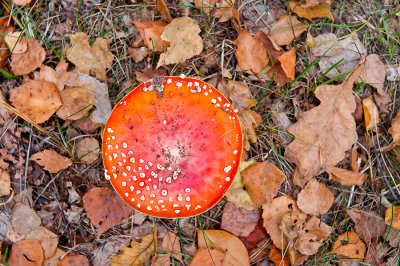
{"x": 48, "y": 240}
{"x": 250, "y": 53}
{"x": 239, "y": 221}
{"x": 138, "y": 54}
{"x": 371, "y": 114}
{"x": 236, "y": 193}
{"x": 88, "y": 150}
{"x": 315, "y": 198}
{"x": 26, "y": 252}
{"x": 104, "y": 208}
{"x": 273, "y": 211}
{"x": 234, "y": 250}
{"x": 151, "y": 31}
{"x": 367, "y": 224}
{"x": 32, "y": 58}
{"x": 286, "y": 29}
{"x": 147, "y": 74}
{"x": 24, "y": 219}
{"x": 51, "y": 161}
{"x": 349, "y": 245}
{"x": 346, "y": 177}
{"x": 171, "y": 245}
{"x": 93, "y": 60}
{"x": 325, "y": 133}
{"x": 346, "y": 53}
{"x": 13, "y": 41}
{"x": 392, "y": 217}
{"x": 136, "y": 254}
{"x": 74, "y": 259}
{"x": 318, "y": 10}
{"x": 184, "y": 41}
{"x": 374, "y": 74}
{"x": 262, "y": 181}
{"x": 275, "y": 255}
{"x": 225, "y": 10}
{"x": 259, "y": 234}
{"x": 207, "y": 257}
{"x": 44, "y": 99}
{"x": 5, "y": 183}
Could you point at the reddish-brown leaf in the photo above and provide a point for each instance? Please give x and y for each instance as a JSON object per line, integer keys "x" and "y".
{"x": 346, "y": 177}
{"x": 255, "y": 237}
{"x": 349, "y": 245}
{"x": 151, "y": 33}
{"x": 239, "y": 221}
{"x": 27, "y": 252}
{"x": 74, "y": 260}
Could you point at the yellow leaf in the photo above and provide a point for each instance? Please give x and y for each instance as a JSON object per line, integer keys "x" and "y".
{"x": 135, "y": 255}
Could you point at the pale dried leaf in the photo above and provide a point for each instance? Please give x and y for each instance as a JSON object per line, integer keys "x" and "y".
{"x": 325, "y": 133}
{"x": 371, "y": 114}
{"x": 346, "y": 177}
{"x": 239, "y": 221}
{"x": 205, "y": 5}
{"x": 5, "y": 183}
{"x": 93, "y": 60}
{"x": 184, "y": 41}
{"x": 349, "y": 245}
{"x": 250, "y": 53}
{"x": 310, "y": 12}
{"x": 32, "y": 58}
{"x": 136, "y": 254}
{"x": 51, "y": 161}
{"x": 44, "y": 99}
{"x": 151, "y": 31}
{"x": 207, "y": 257}
{"x": 262, "y": 181}
{"x": 13, "y": 41}
{"x": 315, "y": 198}
{"x": 285, "y": 30}
{"x": 225, "y": 10}
{"x": 88, "y": 150}
{"x": 24, "y": 219}
{"x": 48, "y": 240}
{"x": 392, "y": 217}
{"x": 26, "y": 252}
{"x": 234, "y": 250}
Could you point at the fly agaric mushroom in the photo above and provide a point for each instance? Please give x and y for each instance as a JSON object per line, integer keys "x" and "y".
{"x": 172, "y": 147}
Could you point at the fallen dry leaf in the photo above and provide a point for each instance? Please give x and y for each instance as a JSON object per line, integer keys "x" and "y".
{"x": 26, "y": 252}
{"x": 371, "y": 114}
{"x": 286, "y": 29}
{"x": 236, "y": 193}
{"x": 104, "y": 208}
{"x": 93, "y": 60}
{"x": 24, "y": 219}
{"x": 184, "y": 41}
{"x": 225, "y": 10}
{"x": 163, "y": 10}
{"x": 349, "y": 51}
{"x": 51, "y": 161}
{"x": 346, "y": 177}
{"x": 32, "y": 58}
{"x": 74, "y": 260}
{"x": 250, "y": 53}
{"x": 239, "y": 221}
{"x": 49, "y": 74}
{"x": 13, "y": 41}
{"x": 367, "y": 224}
{"x": 311, "y": 11}
{"x": 325, "y": 133}
{"x": 392, "y": 217}
{"x": 206, "y": 6}
{"x": 349, "y": 245}
{"x": 355, "y": 159}
{"x": 5, "y": 183}
{"x": 136, "y": 254}
{"x": 262, "y": 181}
{"x": 273, "y": 211}
{"x": 288, "y": 62}
{"x": 55, "y": 259}
{"x": 207, "y": 257}
{"x": 374, "y": 74}
{"x": 249, "y": 120}
{"x": 275, "y": 255}
{"x": 234, "y": 250}
{"x": 394, "y": 130}
{"x": 22, "y": 2}
{"x": 237, "y": 93}
{"x": 88, "y": 150}
{"x": 259, "y": 233}
{"x": 147, "y": 74}
{"x": 44, "y": 99}
{"x": 151, "y": 31}
{"x": 48, "y": 240}
{"x": 138, "y": 54}
{"x": 171, "y": 245}
{"x": 4, "y": 52}
{"x": 77, "y": 102}
{"x": 315, "y": 198}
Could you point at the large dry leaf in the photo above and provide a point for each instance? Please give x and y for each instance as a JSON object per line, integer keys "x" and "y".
{"x": 349, "y": 51}
{"x": 239, "y": 221}
{"x": 171, "y": 246}
{"x": 236, "y": 193}
{"x": 104, "y": 208}
{"x": 48, "y": 240}
{"x": 371, "y": 114}
{"x": 273, "y": 211}
{"x": 315, "y": 198}
{"x": 262, "y": 181}
{"x": 234, "y": 250}
{"x": 374, "y": 74}
{"x": 306, "y": 11}
{"x": 88, "y": 150}
{"x": 5, "y": 183}
{"x": 93, "y": 60}
{"x": 349, "y": 245}
{"x": 346, "y": 177}
{"x": 51, "y": 161}
{"x": 250, "y": 53}
{"x": 26, "y": 252}
{"x": 286, "y": 30}
{"x": 392, "y": 217}
{"x": 136, "y": 254}
{"x": 24, "y": 219}
{"x": 325, "y": 133}
{"x": 184, "y": 41}
{"x": 207, "y": 257}
{"x": 32, "y": 58}
{"x": 151, "y": 31}
{"x": 44, "y": 99}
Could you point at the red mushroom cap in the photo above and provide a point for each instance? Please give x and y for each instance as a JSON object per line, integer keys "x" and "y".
{"x": 172, "y": 147}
